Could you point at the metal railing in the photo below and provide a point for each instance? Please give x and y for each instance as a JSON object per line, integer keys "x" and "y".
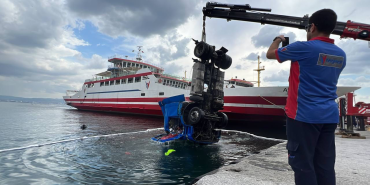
{"x": 71, "y": 92}
{"x": 133, "y": 59}
{"x": 176, "y": 77}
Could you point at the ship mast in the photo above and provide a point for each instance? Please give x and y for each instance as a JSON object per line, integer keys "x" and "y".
{"x": 139, "y": 58}
{"x": 259, "y": 71}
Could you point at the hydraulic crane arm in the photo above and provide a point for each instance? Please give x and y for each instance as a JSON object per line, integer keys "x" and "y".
{"x": 245, "y": 12}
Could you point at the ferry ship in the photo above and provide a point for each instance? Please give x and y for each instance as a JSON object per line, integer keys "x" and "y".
{"x": 136, "y": 87}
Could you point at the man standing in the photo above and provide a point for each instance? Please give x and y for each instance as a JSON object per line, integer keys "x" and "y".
{"x": 312, "y": 113}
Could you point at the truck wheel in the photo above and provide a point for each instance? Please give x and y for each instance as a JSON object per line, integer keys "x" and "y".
{"x": 195, "y": 115}
{"x": 224, "y": 120}
{"x": 196, "y": 98}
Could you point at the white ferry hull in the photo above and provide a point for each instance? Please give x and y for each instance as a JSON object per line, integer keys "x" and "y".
{"x": 248, "y": 103}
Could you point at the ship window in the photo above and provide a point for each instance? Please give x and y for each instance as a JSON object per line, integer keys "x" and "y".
{"x": 161, "y": 93}
{"x": 129, "y": 80}
{"x": 124, "y": 64}
{"x": 101, "y": 84}
{"x": 88, "y": 86}
{"x": 137, "y": 79}
{"x": 142, "y": 94}
{"x": 137, "y": 65}
{"x": 124, "y": 81}
{"x": 141, "y": 66}
{"x": 232, "y": 82}
{"x": 145, "y": 77}
{"x": 128, "y": 64}
{"x": 118, "y": 82}
{"x": 111, "y": 82}
{"x": 145, "y": 66}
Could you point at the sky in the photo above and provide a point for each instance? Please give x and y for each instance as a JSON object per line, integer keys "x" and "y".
{"x": 50, "y": 46}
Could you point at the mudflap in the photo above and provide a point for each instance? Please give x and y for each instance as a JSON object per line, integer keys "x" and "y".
{"x": 167, "y": 137}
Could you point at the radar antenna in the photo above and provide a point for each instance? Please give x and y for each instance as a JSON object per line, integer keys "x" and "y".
{"x": 138, "y": 56}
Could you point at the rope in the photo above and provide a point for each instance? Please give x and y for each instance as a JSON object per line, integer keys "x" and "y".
{"x": 272, "y": 103}
{"x": 260, "y": 137}
{"x": 204, "y": 29}
{"x": 81, "y": 138}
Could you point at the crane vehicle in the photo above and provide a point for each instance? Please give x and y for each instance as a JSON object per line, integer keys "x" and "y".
{"x": 199, "y": 119}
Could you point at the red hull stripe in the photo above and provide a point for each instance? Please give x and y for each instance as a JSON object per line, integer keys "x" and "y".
{"x": 228, "y": 99}
{"x": 233, "y": 112}
{"x": 122, "y": 77}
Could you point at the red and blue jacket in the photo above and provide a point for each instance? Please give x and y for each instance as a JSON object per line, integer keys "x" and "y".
{"x": 314, "y": 72}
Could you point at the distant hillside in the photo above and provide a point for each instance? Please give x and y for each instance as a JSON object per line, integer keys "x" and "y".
{"x": 31, "y": 100}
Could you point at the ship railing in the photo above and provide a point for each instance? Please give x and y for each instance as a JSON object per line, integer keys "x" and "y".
{"x": 175, "y": 77}
{"x": 122, "y": 57}
{"x": 71, "y": 92}
{"x": 97, "y": 78}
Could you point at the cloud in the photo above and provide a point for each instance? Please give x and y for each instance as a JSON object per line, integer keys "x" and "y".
{"x": 238, "y": 66}
{"x": 358, "y": 56}
{"x": 25, "y": 25}
{"x": 140, "y": 17}
{"x": 37, "y": 42}
{"x": 95, "y": 62}
{"x": 254, "y": 56}
{"x": 171, "y": 48}
{"x": 174, "y": 50}
{"x": 360, "y": 81}
{"x": 263, "y": 56}
{"x": 268, "y": 33}
{"x": 251, "y": 56}
{"x": 281, "y": 76}
{"x": 45, "y": 47}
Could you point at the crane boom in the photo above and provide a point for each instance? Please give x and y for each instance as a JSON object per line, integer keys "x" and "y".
{"x": 245, "y": 12}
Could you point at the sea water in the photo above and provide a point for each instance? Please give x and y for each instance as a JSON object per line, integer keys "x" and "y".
{"x": 132, "y": 158}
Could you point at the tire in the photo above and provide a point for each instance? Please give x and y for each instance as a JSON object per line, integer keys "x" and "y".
{"x": 226, "y": 63}
{"x": 195, "y": 115}
{"x": 203, "y": 51}
{"x": 224, "y": 120}
{"x": 196, "y": 98}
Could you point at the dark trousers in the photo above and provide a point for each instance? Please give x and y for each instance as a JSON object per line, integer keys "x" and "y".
{"x": 311, "y": 152}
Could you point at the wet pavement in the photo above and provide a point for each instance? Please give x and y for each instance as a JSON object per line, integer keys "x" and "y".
{"x": 270, "y": 166}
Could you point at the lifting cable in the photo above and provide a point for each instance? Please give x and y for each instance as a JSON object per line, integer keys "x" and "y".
{"x": 75, "y": 139}
{"x": 273, "y": 103}
{"x": 204, "y": 29}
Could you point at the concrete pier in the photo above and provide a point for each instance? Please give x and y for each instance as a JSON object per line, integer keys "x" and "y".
{"x": 270, "y": 167}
